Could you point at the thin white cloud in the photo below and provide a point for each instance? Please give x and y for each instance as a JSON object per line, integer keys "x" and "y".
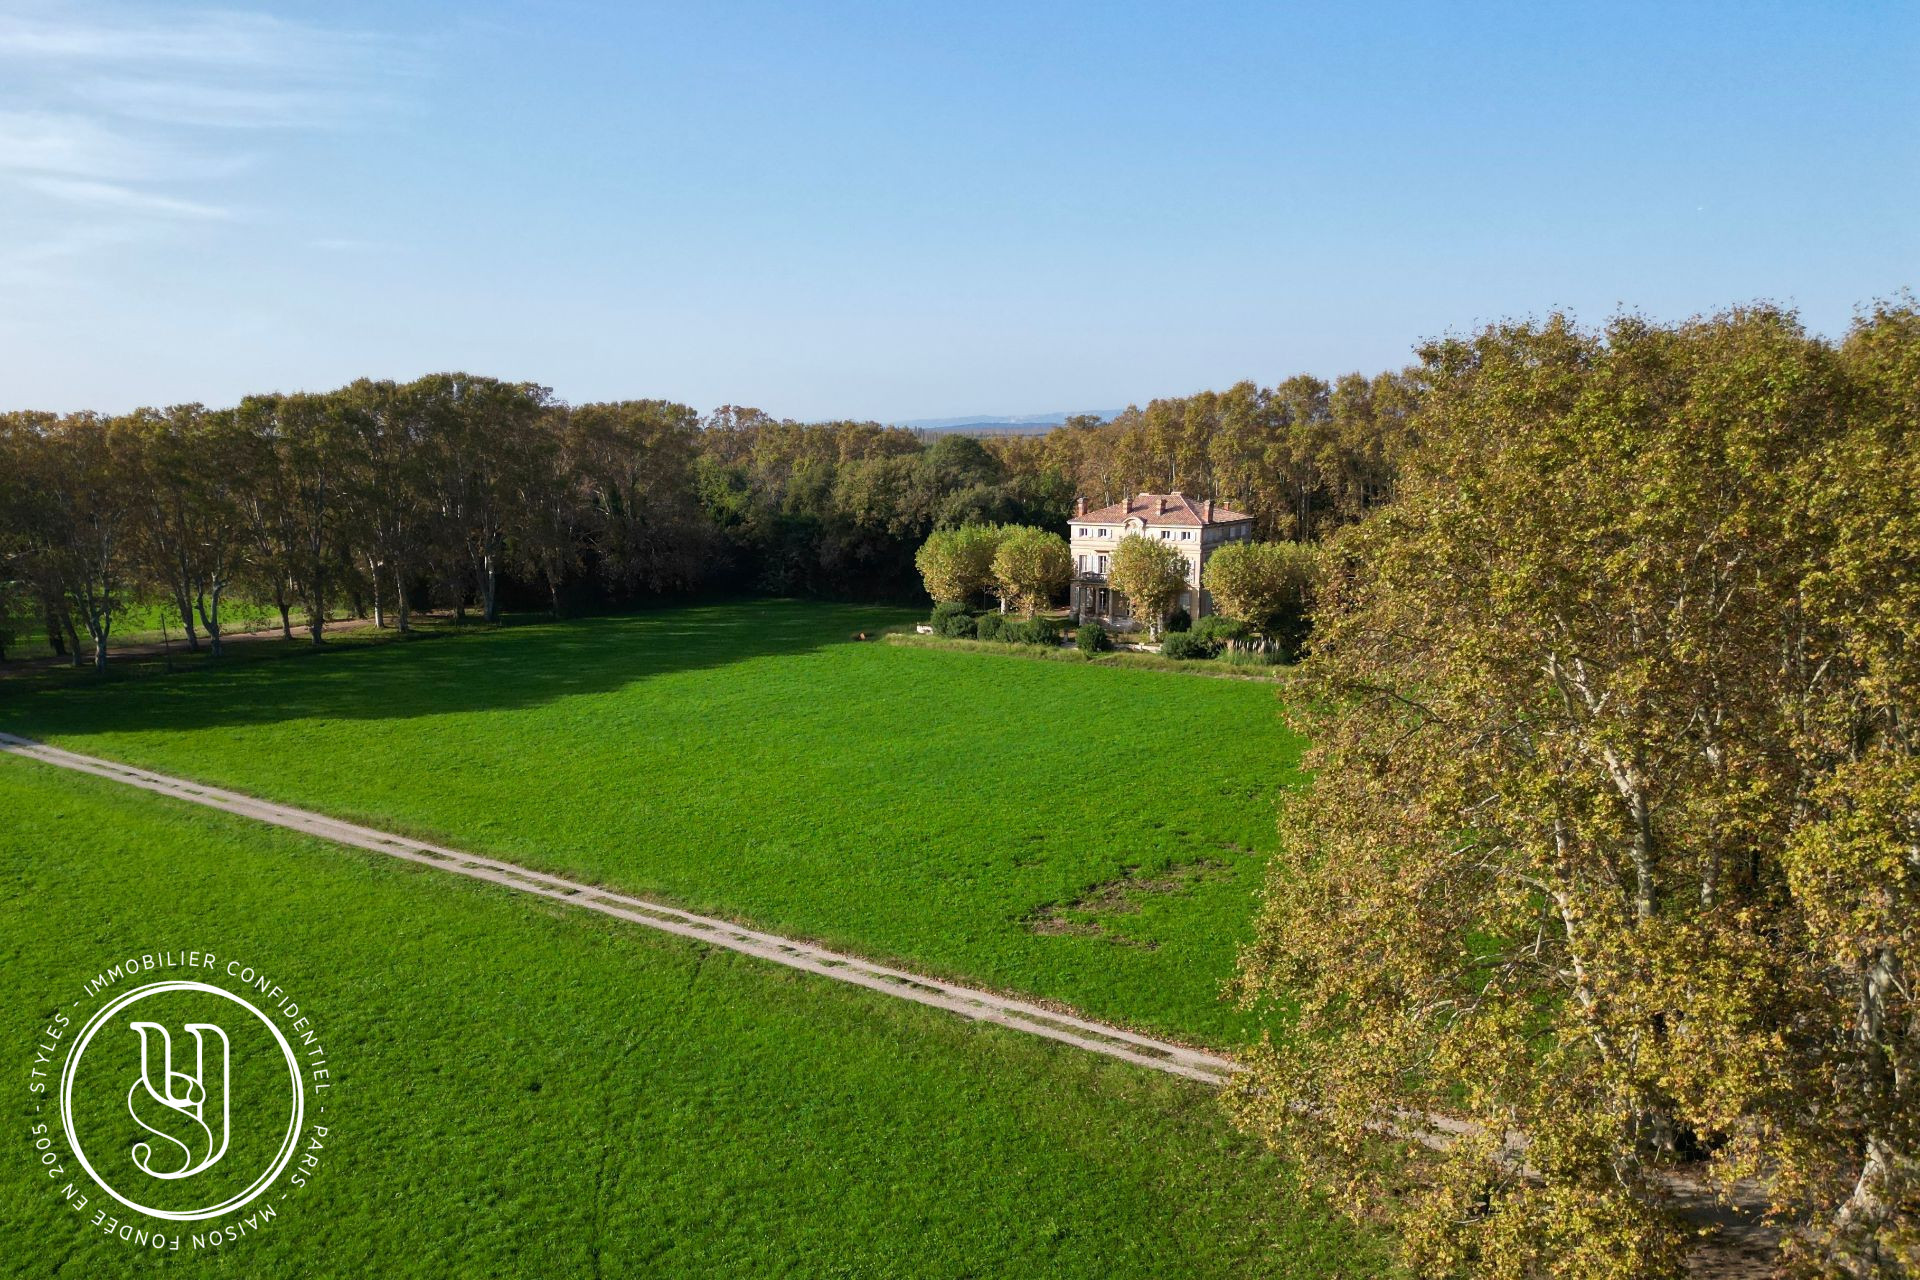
{"x": 228, "y": 106}
{"x": 111, "y": 195}
{"x": 58, "y": 142}
{"x": 132, "y": 119}
{"x": 66, "y": 243}
{"x": 209, "y": 38}
{"x": 57, "y": 257}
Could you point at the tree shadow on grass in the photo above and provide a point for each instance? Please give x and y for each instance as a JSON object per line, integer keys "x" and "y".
{"x": 524, "y": 663}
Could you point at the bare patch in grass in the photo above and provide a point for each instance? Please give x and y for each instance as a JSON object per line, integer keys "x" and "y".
{"x": 1082, "y": 917}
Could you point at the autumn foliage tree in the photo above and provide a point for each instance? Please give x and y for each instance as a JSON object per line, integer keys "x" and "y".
{"x": 1263, "y": 584}
{"x": 1030, "y": 567}
{"x": 1610, "y": 863}
{"x": 1151, "y": 574}
{"x": 957, "y": 564}
{"x": 80, "y": 502}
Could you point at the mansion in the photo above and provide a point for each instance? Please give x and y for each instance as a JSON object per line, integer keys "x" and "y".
{"x": 1196, "y": 529}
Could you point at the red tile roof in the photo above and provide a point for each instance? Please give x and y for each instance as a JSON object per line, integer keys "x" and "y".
{"x": 1179, "y": 509}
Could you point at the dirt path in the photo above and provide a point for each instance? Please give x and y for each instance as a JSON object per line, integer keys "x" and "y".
{"x": 983, "y": 1006}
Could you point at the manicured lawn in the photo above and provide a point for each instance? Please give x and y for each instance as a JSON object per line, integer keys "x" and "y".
{"x": 524, "y": 1090}
{"x": 945, "y": 809}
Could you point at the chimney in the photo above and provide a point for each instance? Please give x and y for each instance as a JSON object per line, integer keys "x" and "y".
{"x": 1080, "y": 506}
{"x": 1206, "y": 511}
{"x": 1159, "y": 506}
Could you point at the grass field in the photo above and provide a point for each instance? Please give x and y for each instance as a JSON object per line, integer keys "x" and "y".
{"x": 525, "y": 1090}
{"x": 1080, "y": 833}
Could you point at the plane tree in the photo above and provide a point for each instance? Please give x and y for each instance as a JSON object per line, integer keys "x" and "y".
{"x": 1031, "y": 567}
{"x": 1151, "y": 574}
{"x": 1611, "y": 847}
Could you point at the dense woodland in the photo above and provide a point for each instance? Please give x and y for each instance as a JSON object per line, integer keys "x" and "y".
{"x": 471, "y": 494}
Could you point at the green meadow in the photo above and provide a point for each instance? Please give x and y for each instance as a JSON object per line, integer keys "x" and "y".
{"x": 526, "y": 1090}
{"x": 1082, "y": 833}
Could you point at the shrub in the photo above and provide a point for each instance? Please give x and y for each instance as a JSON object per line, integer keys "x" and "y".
{"x": 1092, "y": 638}
{"x": 1179, "y": 620}
{"x": 991, "y": 626}
{"x": 1217, "y": 629}
{"x": 1030, "y": 631}
{"x": 1186, "y": 645}
{"x": 952, "y": 620}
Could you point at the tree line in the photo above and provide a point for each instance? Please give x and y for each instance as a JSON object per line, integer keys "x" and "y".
{"x": 462, "y": 492}
{"x": 376, "y": 496}
{"x": 1303, "y": 457}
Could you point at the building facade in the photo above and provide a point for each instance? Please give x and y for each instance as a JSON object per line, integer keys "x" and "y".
{"x": 1196, "y": 528}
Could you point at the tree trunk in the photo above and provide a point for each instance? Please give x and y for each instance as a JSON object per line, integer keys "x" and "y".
{"x": 317, "y": 601}
{"x": 1863, "y": 1217}
{"x": 1864, "y": 1214}
{"x": 97, "y": 625}
{"x": 280, "y": 601}
{"x": 379, "y": 608}
{"x": 185, "y": 606}
{"x": 212, "y": 620}
{"x": 402, "y": 607}
{"x": 73, "y": 640}
{"x": 490, "y": 586}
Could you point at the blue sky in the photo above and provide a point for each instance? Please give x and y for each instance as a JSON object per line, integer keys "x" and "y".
{"x": 898, "y": 211}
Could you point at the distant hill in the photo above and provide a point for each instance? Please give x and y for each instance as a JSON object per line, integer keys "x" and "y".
{"x": 1027, "y": 424}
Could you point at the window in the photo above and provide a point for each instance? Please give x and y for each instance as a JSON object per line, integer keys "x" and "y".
{"x": 1186, "y": 535}
{"x": 1165, "y": 534}
{"x": 1105, "y": 533}
{"x": 1083, "y": 533}
{"x": 1103, "y": 564}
